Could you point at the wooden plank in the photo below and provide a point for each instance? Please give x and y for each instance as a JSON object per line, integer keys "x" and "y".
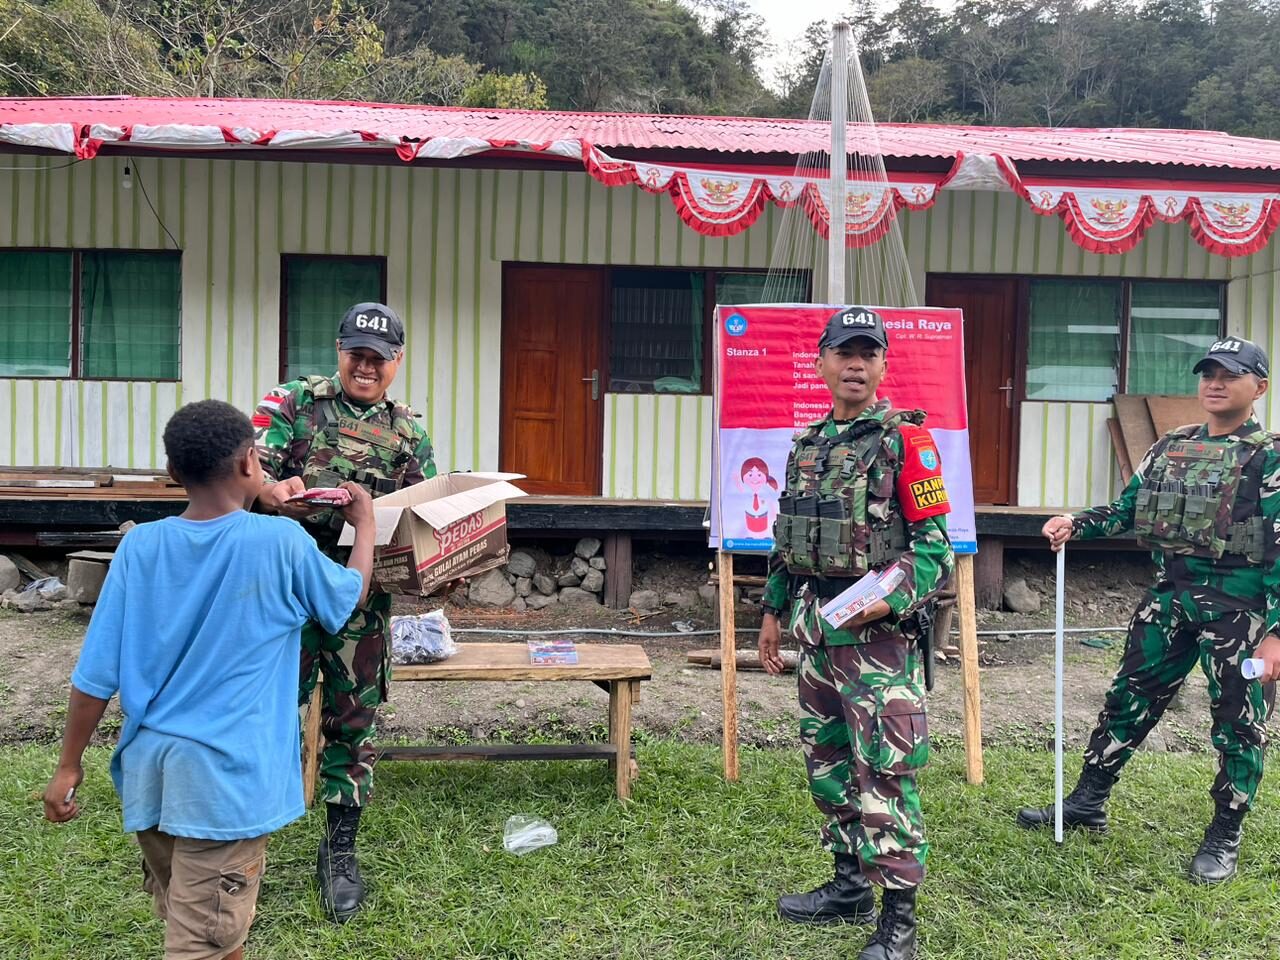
{"x": 729, "y": 668}
{"x": 1135, "y": 424}
{"x": 100, "y": 556}
{"x": 747, "y": 659}
{"x": 620, "y": 735}
{"x": 1169, "y": 413}
{"x": 617, "y": 570}
{"x": 311, "y": 747}
{"x": 510, "y": 661}
{"x": 33, "y": 483}
{"x": 969, "y": 681}
{"x": 1120, "y": 450}
{"x": 28, "y": 568}
{"x": 743, "y": 579}
{"x": 56, "y": 538}
{"x": 502, "y": 752}
{"x": 532, "y": 513}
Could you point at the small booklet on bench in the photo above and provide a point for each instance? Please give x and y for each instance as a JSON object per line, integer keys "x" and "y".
{"x": 545, "y": 653}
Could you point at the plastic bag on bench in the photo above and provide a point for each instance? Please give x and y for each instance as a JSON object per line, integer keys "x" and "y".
{"x": 422, "y": 639}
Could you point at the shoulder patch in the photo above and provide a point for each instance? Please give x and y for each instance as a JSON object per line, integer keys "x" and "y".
{"x": 921, "y": 490}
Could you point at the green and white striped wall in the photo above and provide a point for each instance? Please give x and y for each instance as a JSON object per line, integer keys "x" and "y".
{"x": 445, "y": 234}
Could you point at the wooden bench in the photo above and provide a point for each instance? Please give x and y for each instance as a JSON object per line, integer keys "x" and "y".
{"x": 617, "y": 669}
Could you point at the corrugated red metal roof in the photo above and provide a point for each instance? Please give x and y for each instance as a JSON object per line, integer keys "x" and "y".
{"x": 724, "y": 135}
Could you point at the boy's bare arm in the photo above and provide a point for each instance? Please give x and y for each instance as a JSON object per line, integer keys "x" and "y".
{"x": 83, "y": 715}
{"x": 359, "y": 513}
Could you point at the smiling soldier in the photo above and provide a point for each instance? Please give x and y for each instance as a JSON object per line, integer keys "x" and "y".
{"x": 1206, "y": 500}
{"x": 321, "y": 432}
{"x": 863, "y": 493}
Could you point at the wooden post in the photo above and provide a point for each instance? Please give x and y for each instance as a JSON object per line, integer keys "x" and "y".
{"x": 617, "y": 570}
{"x": 311, "y": 746}
{"x": 988, "y": 574}
{"x": 969, "y": 669}
{"x": 728, "y": 666}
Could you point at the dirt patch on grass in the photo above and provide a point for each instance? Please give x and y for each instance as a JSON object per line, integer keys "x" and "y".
{"x": 682, "y": 701}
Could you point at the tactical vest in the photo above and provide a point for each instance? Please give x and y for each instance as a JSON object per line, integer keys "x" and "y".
{"x": 1186, "y": 503}
{"x": 838, "y": 517}
{"x": 374, "y": 455}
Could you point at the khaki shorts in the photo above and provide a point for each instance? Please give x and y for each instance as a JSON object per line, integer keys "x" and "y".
{"x": 205, "y": 891}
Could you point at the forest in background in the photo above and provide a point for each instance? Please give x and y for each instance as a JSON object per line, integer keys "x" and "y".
{"x": 1162, "y": 63}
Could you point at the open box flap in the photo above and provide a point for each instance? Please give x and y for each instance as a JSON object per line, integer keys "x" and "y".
{"x": 446, "y": 510}
{"x": 386, "y": 519}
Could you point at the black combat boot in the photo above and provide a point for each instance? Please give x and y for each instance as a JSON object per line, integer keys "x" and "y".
{"x": 847, "y": 898}
{"x": 895, "y": 936}
{"x": 1215, "y": 861}
{"x": 341, "y": 889}
{"x": 1082, "y": 808}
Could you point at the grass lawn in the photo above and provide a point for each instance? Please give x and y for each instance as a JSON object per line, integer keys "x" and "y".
{"x": 689, "y": 869}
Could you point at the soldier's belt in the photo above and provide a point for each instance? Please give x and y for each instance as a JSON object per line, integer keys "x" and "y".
{"x": 828, "y": 588}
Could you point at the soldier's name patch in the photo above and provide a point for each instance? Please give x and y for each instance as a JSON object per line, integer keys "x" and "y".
{"x": 366, "y": 433}
{"x": 1196, "y": 450}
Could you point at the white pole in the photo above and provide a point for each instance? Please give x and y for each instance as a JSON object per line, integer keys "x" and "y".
{"x": 1057, "y": 697}
{"x": 839, "y": 183}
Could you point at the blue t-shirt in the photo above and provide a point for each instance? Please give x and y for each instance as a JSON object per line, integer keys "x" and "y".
{"x": 198, "y": 628}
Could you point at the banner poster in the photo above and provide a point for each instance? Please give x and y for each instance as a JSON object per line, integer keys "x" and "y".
{"x": 767, "y": 391}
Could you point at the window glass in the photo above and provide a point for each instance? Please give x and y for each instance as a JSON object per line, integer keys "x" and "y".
{"x": 1074, "y": 338}
{"x": 35, "y": 314}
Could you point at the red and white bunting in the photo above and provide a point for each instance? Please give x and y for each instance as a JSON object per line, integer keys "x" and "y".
{"x": 1103, "y": 216}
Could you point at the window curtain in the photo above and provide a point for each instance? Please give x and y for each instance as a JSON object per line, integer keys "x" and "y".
{"x": 318, "y": 291}
{"x": 1074, "y": 340}
{"x": 130, "y": 315}
{"x": 35, "y": 314}
{"x": 1171, "y": 327}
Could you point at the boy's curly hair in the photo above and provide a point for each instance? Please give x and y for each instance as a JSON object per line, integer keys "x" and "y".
{"x": 203, "y": 439}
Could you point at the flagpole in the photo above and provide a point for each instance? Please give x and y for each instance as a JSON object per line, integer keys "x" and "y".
{"x": 839, "y": 184}
{"x": 1057, "y": 695}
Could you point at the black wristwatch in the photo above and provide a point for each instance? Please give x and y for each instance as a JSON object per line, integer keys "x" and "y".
{"x": 776, "y": 611}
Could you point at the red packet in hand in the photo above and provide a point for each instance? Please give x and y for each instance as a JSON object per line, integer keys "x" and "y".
{"x": 325, "y": 496}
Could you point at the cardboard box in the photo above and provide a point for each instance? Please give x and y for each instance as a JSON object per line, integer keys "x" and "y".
{"x": 450, "y": 526}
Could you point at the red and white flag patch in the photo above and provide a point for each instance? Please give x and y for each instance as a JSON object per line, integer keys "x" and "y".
{"x": 271, "y": 402}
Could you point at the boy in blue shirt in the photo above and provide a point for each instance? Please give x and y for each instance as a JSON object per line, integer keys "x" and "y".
{"x": 197, "y": 629}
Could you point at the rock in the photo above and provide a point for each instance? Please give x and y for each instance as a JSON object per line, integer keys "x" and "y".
{"x": 524, "y": 586}
{"x": 568, "y": 580}
{"x": 1155, "y": 743}
{"x": 508, "y": 576}
{"x": 593, "y": 581}
{"x": 538, "y": 601}
{"x": 544, "y": 585}
{"x": 680, "y": 598}
{"x": 520, "y": 704}
{"x": 522, "y": 564}
{"x": 127, "y": 526}
{"x": 10, "y": 578}
{"x": 491, "y": 590}
{"x": 55, "y": 592}
{"x": 576, "y": 595}
{"x": 85, "y": 579}
{"x": 30, "y": 602}
{"x": 519, "y": 605}
{"x": 709, "y": 595}
{"x": 645, "y": 601}
{"x": 597, "y": 563}
{"x": 579, "y": 567}
{"x": 587, "y": 547}
{"x": 1020, "y": 598}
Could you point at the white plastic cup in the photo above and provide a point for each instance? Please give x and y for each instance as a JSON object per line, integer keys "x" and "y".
{"x": 1253, "y": 668}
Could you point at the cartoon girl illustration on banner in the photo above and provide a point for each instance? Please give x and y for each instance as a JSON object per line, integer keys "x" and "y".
{"x": 754, "y": 478}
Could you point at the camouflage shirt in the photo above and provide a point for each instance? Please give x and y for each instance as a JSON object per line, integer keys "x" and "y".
{"x": 1231, "y": 581}
{"x": 927, "y": 562}
{"x": 287, "y": 419}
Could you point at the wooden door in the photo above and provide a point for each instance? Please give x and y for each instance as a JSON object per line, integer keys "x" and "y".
{"x": 553, "y": 378}
{"x": 990, "y": 306}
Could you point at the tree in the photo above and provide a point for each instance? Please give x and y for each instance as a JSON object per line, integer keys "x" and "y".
{"x": 908, "y": 91}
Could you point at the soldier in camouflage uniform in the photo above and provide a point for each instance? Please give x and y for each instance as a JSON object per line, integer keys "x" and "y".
{"x": 320, "y": 432}
{"x": 1206, "y": 499}
{"x": 863, "y": 492}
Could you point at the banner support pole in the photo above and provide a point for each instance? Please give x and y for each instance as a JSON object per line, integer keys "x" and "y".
{"x": 969, "y": 682}
{"x": 728, "y": 665}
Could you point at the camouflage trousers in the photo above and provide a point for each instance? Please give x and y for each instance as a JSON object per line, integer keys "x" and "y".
{"x": 355, "y": 664}
{"x": 865, "y": 734}
{"x": 1170, "y": 632}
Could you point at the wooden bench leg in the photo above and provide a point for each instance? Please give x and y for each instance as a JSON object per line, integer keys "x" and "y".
{"x": 311, "y": 747}
{"x": 620, "y": 697}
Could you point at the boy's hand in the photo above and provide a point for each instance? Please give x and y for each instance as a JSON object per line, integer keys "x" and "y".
{"x": 276, "y": 499}
{"x": 60, "y": 795}
{"x": 360, "y": 510}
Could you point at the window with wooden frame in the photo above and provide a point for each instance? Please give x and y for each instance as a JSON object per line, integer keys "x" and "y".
{"x": 1091, "y": 339}
{"x": 660, "y": 340}
{"x": 315, "y": 292}
{"x": 91, "y": 314}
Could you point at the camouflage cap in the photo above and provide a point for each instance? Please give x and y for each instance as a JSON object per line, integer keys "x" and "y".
{"x": 1237, "y": 355}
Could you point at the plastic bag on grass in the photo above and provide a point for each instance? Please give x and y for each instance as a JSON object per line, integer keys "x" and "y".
{"x": 422, "y": 639}
{"x": 524, "y": 834}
